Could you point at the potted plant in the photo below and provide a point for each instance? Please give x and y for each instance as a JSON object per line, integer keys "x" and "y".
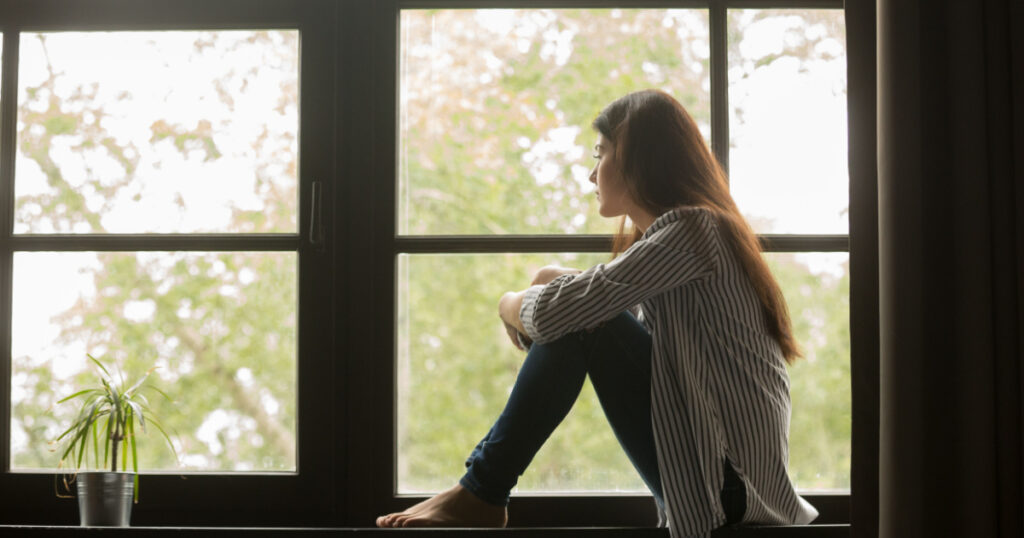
{"x": 103, "y": 433}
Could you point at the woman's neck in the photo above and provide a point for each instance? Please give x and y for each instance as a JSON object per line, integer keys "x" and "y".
{"x": 641, "y": 219}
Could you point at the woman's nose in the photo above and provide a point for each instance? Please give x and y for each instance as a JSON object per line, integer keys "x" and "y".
{"x": 593, "y": 175}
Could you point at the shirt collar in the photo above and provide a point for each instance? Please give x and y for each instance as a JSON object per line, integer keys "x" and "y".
{"x": 670, "y": 216}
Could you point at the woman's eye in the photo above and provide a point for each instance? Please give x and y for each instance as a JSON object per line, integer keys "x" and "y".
{"x": 598, "y": 157}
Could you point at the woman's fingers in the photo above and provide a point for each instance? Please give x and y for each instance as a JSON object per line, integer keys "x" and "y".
{"x": 513, "y": 335}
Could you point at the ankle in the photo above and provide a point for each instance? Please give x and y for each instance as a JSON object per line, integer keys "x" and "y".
{"x": 471, "y": 489}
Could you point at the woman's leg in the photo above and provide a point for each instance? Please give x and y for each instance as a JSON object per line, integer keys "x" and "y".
{"x": 619, "y": 365}
{"x": 548, "y": 384}
{"x": 546, "y": 388}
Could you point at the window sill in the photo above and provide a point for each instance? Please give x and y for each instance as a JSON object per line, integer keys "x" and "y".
{"x": 805, "y": 531}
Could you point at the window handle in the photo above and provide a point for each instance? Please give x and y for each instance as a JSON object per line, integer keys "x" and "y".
{"x": 316, "y": 220}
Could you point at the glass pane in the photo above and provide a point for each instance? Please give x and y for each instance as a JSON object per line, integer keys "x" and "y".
{"x": 220, "y": 327}
{"x": 450, "y": 389}
{"x": 817, "y": 290}
{"x": 496, "y": 106}
{"x": 787, "y": 125}
{"x": 456, "y": 368}
{"x": 157, "y": 132}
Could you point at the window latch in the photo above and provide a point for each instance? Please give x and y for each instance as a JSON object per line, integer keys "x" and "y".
{"x": 316, "y": 220}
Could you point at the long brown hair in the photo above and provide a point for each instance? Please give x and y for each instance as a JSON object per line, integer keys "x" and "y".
{"x": 667, "y": 164}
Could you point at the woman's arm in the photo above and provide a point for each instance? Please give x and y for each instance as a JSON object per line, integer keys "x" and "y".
{"x": 512, "y": 302}
{"x": 508, "y": 309}
{"x": 600, "y": 293}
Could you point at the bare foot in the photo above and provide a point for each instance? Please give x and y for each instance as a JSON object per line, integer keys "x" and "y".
{"x": 456, "y": 507}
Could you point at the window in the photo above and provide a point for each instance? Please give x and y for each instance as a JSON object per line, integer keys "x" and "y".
{"x": 492, "y": 152}
{"x": 157, "y": 172}
{"x": 495, "y": 139}
{"x": 788, "y": 173}
{"x": 303, "y": 212}
{"x": 155, "y": 133}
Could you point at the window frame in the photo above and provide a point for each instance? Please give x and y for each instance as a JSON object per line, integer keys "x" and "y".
{"x": 349, "y": 129}
{"x": 165, "y": 498}
{"x": 529, "y": 509}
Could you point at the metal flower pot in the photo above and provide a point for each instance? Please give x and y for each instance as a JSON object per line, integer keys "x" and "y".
{"x": 105, "y": 498}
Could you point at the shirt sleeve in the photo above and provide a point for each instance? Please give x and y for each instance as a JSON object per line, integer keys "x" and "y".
{"x": 573, "y": 302}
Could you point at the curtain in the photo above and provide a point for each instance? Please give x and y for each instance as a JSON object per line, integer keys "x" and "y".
{"x": 951, "y": 267}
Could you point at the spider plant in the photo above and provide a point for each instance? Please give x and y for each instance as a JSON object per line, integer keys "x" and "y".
{"x": 105, "y": 424}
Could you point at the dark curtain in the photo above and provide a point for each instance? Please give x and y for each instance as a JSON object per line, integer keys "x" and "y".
{"x": 951, "y": 267}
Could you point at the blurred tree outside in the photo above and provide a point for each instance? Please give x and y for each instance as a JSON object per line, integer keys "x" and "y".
{"x": 495, "y": 113}
{"x": 494, "y": 139}
{"x": 220, "y": 327}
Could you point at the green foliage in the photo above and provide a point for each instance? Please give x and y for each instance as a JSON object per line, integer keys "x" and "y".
{"x": 471, "y": 147}
{"x": 222, "y": 325}
{"x": 819, "y": 305}
{"x": 107, "y": 416}
{"x": 456, "y": 367}
{"x": 200, "y": 138}
{"x": 59, "y": 125}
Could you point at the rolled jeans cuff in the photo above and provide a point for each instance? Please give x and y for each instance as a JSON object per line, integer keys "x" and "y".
{"x": 470, "y": 482}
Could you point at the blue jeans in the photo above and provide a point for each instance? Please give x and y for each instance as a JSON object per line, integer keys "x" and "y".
{"x": 617, "y": 357}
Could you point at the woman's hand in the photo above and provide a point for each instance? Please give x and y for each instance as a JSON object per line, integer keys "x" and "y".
{"x": 508, "y": 309}
{"x": 550, "y": 272}
{"x": 515, "y": 336}
{"x": 512, "y": 302}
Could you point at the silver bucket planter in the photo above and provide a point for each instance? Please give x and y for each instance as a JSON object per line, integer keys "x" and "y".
{"x": 105, "y": 498}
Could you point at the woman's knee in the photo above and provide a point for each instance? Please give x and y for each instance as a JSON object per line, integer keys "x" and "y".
{"x": 617, "y": 339}
{"x": 622, "y": 326}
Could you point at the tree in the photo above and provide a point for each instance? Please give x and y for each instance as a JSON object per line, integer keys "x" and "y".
{"x": 221, "y": 326}
{"x": 493, "y": 139}
{"x": 495, "y": 123}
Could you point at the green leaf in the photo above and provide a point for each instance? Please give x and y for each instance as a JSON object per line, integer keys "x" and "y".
{"x": 81, "y": 448}
{"x": 98, "y": 363}
{"x": 96, "y": 443}
{"x": 106, "y": 443}
{"x": 138, "y": 383}
{"x": 124, "y": 459}
{"x": 75, "y": 395}
{"x": 131, "y": 441}
{"x": 162, "y": 393}
{"x": 138, "y": 413}
{"x": 174, "y": 451}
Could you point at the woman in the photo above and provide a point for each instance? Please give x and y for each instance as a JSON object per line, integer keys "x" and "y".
{"x": 695, "y": 386}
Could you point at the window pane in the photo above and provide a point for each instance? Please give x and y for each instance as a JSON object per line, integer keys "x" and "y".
{"x": 787, "y": 129}
{"x": 162, "y": 132}
{"x": 220, "y": 327}
{"x": 456, "y": 368}
{"x": 817, "y": 290}
{"x": 496, "y": 105}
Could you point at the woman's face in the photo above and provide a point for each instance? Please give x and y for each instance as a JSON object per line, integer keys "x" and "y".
{"x": 612, "y": 195}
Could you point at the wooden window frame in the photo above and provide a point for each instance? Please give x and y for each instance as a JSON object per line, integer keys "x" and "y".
{"x": 347, "y": 451}
{"x": 201, "y": 498}
{"x": 382, "y": 237}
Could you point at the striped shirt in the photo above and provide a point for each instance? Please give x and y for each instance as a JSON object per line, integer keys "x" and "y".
{"x": 719, "y": 387}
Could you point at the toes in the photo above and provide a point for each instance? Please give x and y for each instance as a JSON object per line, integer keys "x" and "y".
{"x": 388, "y": 520}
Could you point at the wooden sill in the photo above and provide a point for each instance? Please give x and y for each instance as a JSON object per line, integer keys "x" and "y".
{"x": 805, "y": 531}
